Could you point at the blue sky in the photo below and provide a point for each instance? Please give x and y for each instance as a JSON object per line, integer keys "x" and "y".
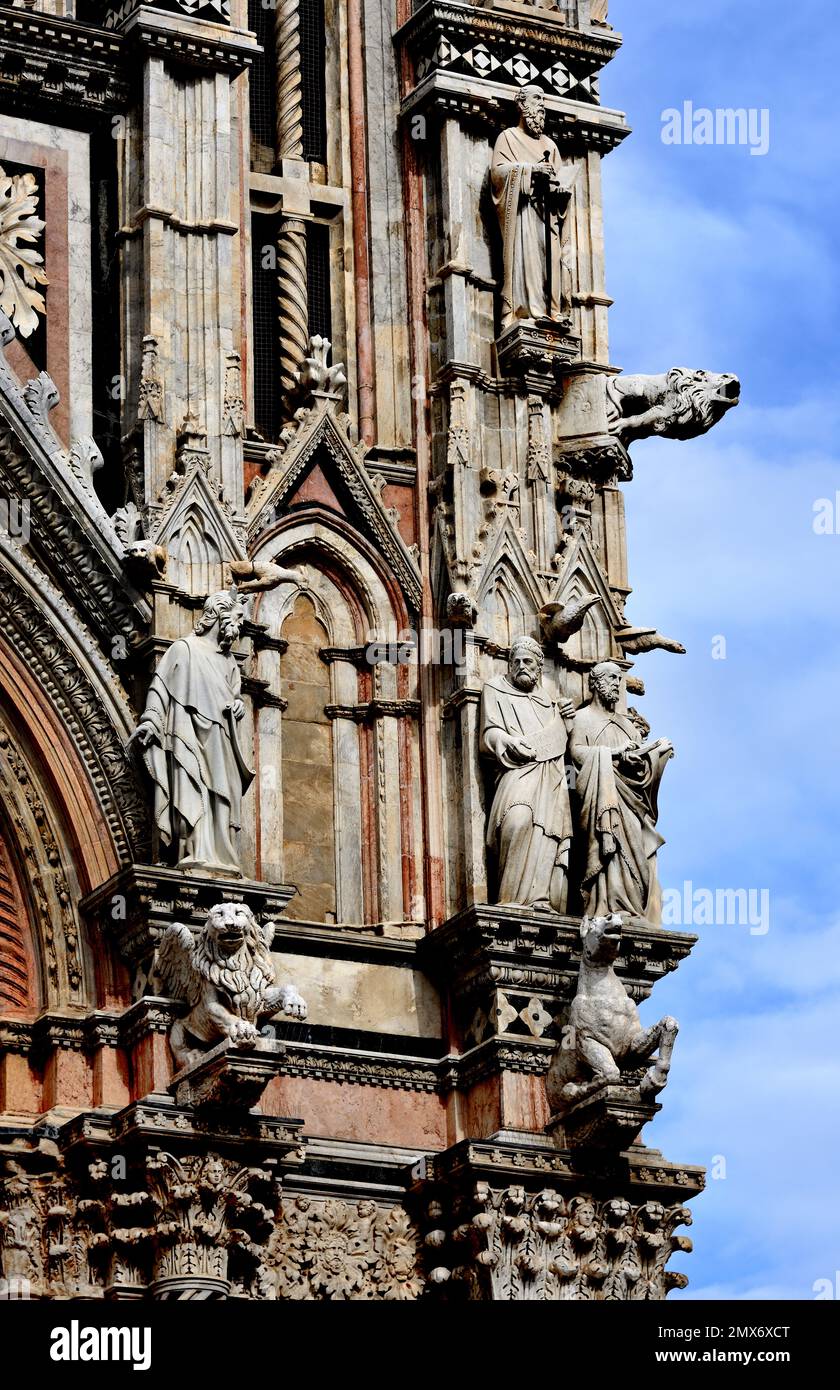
{"x": 720, "y": 259}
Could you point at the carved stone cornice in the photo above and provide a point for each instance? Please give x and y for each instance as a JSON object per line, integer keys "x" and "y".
{"x": 472, "y": 61}
{"x": 138, "y": 903}
{"x": 538, "y": 31}
{"x": 375, "y": 709}
{"x": 537, "y": 354}
{"x": 360, "y": 1068}
{"x": 491, "y": 945}
{"x": 197, "y": 33}
{"x": 52, "y": 61}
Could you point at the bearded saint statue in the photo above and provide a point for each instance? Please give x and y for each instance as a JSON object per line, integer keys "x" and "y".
{"x": 188, "y": 736}
{"x": 530, "y": 184}
{"x": 618, "y": 778}
{"x": 529, "y": 829}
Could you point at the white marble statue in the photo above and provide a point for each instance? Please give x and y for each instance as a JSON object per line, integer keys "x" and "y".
{"x": 605, "y": 1037}
{"x": 188, "y": 736}
{"x": 227, "y": 974}
{"x": 529, "y": 828}
{"x": 618, "y": 778}
{"x": 530, "y": 184}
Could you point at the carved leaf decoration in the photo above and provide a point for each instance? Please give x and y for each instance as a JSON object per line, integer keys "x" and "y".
{"x": 21, "y": 266}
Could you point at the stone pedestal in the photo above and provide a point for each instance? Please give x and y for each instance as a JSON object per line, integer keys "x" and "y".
{"x": 537, "y": 351}
{"x": 606, "y": 1120}
{"x": 228, "y": 1078}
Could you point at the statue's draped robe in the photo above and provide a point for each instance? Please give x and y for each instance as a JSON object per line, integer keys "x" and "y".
{"x": 618, "y": 814}
{"x": 518, "y": 201}
{"x": 532, "y": 858}
{"x": 197, "y": 769}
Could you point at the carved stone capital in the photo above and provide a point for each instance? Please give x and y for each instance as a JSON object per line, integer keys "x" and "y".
{"x": 521, "y": 1222}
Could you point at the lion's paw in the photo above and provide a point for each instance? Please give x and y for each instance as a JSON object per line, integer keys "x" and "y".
{"x": 292, "y": 1003}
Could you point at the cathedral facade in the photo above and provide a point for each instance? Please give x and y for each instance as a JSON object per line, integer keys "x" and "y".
{"x": 328, "y": 807}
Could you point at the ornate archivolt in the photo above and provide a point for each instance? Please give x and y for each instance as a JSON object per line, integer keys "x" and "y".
{"x": 49, "y": 882}
{"x": 77, "y": 717}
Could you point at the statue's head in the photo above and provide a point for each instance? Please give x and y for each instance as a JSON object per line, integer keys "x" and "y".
{"x": 230, "y": 925}
{"x": 531, "y": 103}
{"x": 605, "y": 683}
{"x": 225, "y": 611}
{"x": 525, "y": 664}
{"x": 601, "y": 939}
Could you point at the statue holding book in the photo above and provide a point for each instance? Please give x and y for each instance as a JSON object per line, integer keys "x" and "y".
{"x": 617, "y": 784}
{"x": 529, "y": 829}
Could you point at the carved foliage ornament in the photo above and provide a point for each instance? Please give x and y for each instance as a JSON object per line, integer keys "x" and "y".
{"x": 21, "y": 266}
{"x": 336, "y": 1251}
{"x": 512, "y": 1246}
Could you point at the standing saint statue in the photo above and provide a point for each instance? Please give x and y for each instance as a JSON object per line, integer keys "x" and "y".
{"x": 531, "y": 191}
{"x": 529, "y": 829}
{"x": 618, "y": 778}
{"x": 189, "y": 741}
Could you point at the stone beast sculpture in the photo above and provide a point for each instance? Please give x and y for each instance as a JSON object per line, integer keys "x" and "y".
{"x": 605, "y": 1036}
{"x": 679, "y": 404}
{"x": 225, "y": 971}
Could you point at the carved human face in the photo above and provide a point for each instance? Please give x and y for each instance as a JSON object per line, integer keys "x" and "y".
{"x": 231, "y": 623}
{"x": 524, "y": 668}
{"x": 606, "y": 685}
{"x": 229, "y": 923}
{"x": 533, "y": 114}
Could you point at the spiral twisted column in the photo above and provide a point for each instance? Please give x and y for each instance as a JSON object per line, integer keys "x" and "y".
{"x": 289, "y": 80}
{"x": 293, "y": 307}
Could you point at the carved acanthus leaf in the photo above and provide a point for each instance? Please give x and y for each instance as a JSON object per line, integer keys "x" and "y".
{"x": 21, "y": 266}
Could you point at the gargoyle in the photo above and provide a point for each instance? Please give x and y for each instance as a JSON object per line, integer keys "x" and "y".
{"x": 225, "y": 971}
{"x": 679, "y": 404}
{"x": 606, "y": 1038}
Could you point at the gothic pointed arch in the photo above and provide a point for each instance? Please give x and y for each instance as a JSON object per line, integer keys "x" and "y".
{"x": 340, "y": 818}
{"x": 321, "y": 467}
